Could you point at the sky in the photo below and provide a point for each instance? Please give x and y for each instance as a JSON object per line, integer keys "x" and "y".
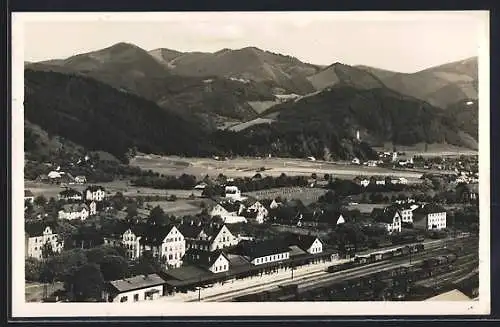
{"x": 398, "y": 41}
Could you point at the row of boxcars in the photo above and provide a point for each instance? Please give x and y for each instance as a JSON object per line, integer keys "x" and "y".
{"x": 360, "y": 260}
{"x": 396, "y": 281}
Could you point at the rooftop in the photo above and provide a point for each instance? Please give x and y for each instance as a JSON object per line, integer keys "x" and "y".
{"x": 137, "y": 282}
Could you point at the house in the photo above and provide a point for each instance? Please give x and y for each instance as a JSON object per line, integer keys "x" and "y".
{"x": 134, "y": 289}
{"x": 208, "y": 237}
{"x": 256, "y": 210}
{"x": 54, "y": 175}
{"x": 356, "y": 161}
{"x": 131, "y": 240}
{"x": 74, "y": 211}
{"x": 29, "y": 196}
{"x": 95, "y": 193}
{"x": 92, "y": 208}
{"x": 308, "y": 243}
{"x": 165, "y": 242}
{"x": 37, "y": 235}
{"x": 380, "y": 182}
{"x": 199, "y": 188}
{"x": 228, "y": 212}
{"x": 216, "y": 261}
{"x": 233, "y": 192}
{"x": 364, "y": 182}
{"x": 80, "y": 179}
{"x": 263, "y": 252}
{"x": 406, "y": 212}
{"x": 470, "y": 192}
{"x": 70, "y": 195}
{"x": 275, "y": 204}
{"x": 389, "y": 217}
{"x": 430, "y": 216}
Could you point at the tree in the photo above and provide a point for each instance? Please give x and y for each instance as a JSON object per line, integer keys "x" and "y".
{"x": 157, "y": 216}
{"x": 47, "y": 250}
{"x": 87, "y": 283}
{"x": 114, "y": 267}
{"x": 62, "y": 266}
{"x": 132, "y": 210}
{"x": 32, "y": 269}
{"x": 314, "y": 176}
{"x": 40, "y": 200}
{"x": 327, "y": 177}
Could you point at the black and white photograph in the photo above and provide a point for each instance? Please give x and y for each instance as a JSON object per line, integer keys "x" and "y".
{"x": 250, "y": 163}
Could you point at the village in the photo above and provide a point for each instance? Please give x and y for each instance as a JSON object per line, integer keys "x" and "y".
{"x": 90, "y": 243}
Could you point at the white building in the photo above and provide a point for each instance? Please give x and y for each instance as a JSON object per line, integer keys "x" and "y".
{"x": 29, "y": 196}
{"x": 364, "y": 182}
{"x": 74, "y": 211}
{"x": 166, "y": 242}
{"x": 215, "y": 261}
{"x": 308, "y": 243}
{"x": 95, "y": 193}
{"x": 263, "y": 252}
{"x": 210, "y": 237}
{"x": 134, "y": 289}
{"x": 389, "y": 217}
{"x": 233, "y": 193}
{"x": 80, "y": 179}
{"x": 228, "y": 212}
{"x": 430, "y": 216}
{"x": 37, "y": 235}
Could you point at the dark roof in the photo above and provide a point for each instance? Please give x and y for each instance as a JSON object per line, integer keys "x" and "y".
{"x": 185, "y": 273}
{"x": 302, "y": 241}
{"x": 429, "y": 208}
{"x": 69, "y": 192}
{"x": 28, "y": 193}
{"x": 36, "y": 228}
{"x": 93, "y": 188}
{"x": 189, "y": 230}
{"x": 137, "y": 282}
{"x": 115, "y": 230}
{"x": 257, "y": 249}
{"x": 385, "y": 215}
{"x": 230, "y": 206}
{"x": 154, "y": 235}
{"x": 203, "y": 258}
{"x": 76, "y": 207}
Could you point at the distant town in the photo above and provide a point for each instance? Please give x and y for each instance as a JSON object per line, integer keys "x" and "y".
{"x": 310, "y": 237}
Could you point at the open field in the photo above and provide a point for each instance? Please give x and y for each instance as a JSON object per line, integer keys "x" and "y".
{"x": 247, "y": 167}
{"x": 305, "y": 194}
{"x": 52, "y": 190}
{"x": 179, "y": 207}
{"x": 365, "y": 207}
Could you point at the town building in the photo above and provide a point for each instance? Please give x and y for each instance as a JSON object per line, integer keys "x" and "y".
{"x": 37, "y": 235}
{"x": 131, "y": 240}
{"x": 92, "y": 208}
{"x": 165, "y": 242}
{"x": 29, "y": 196}
{"x": 308, "y": 243}
{"x": 134, "y": 289}
{"x": 70, "y": 195}
{"x": 389, "y": 217}
{"x": 233, "y": 193}
{"x": 207, "y": 237}
{"x": 95, "y": 193}
{"x": 262, "y": 252}
{"x": 215, "y": 261}
{"x": 74, "y": 211}
{"x": 80, "y": 179}
{"x": 228, "y": 212}
{"x": 430, "y": 216}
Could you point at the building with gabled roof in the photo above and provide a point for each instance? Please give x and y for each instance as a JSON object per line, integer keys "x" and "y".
{"x": 215, "y": 261}
{"x": 260, "y": 252}
{"x": 74, "y": 211}
{"x": 208, "y": 237}
{"x": 70, "y": 194}
{"x": 389, "y": 217}
{"x": 228, "y": 212}
{"x": 165, "y": 242}
{"x": 309, "y": 243}
{"x": 95, "y": 193}
{"x": 430, "y": 216}
{"x": 134, "y": 289}
{"x": 37, "y": 235}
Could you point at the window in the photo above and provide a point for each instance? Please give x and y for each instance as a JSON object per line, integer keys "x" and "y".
{"x": 136, "y": 297}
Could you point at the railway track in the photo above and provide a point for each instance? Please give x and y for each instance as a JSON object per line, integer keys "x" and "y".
{"x": 311, "y": 280}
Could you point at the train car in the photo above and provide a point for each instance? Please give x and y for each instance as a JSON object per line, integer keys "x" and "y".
{"x": 398, "y": 252}
{"x": 452, "y": 257}
{"x": 405, "y": 250}
{"x": 387, "y": 255}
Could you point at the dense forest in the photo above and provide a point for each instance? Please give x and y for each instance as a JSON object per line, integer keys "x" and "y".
{"x": 99, "y": 117}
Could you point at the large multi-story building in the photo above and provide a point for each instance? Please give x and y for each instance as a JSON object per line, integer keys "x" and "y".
{"x": 95, "y": 193}
{"x": 74, "y": 211}
{"x": 389, "y": 217}
{"x": 39, "y": 235}
{"x": 430, "y": 216}
{"x": 166, "y": 243}
{"x": 208, "y": 237}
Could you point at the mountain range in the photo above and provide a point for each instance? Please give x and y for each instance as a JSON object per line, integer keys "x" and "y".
{"x": 259, "y": 95}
